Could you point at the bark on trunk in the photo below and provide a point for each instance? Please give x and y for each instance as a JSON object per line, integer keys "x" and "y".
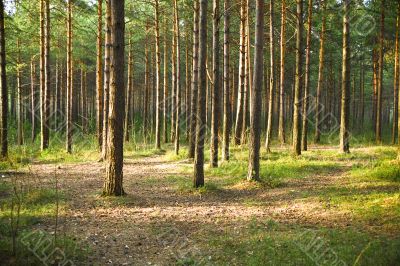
{"x": 345, "y": 107}
{"x": 201, "y": 112}
{"x": 114, "y": 167}
{"x": 99, "y": 74}
{"x": 227, "y": 97}
{"x": 215, "y": 110}
{"x": 255, "y": 125}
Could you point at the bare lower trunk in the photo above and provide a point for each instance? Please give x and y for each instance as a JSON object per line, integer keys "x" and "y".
{"x": 255, "y": 125}
{"x": 227, "y": 104}
{"x": 114, "y": 166}
{"x": 99, "y": 75}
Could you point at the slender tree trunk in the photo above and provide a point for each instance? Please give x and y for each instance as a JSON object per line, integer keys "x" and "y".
{"x": 298, "y": 81}
{"x": 227, "y": 85}
{"x": 165, "y": 100}
{"x": 69, "y": 79}
{"x": 114, "y": 167}
{"x": 146, "y": 102}
{"x": 129, "y": 94}
{"x": 173, "y": 87}
{"x": 362, "y": 95}
{"x": 195, "y": 76}
{"x": 20, "y": 132}
{"x": 255, "y": 118}
{"x": 158, "y": 74}
{"x": 319, "y": 107}
{"x": 345, "y": 108}
{"x": 99, "y": 75}
{"x": 281, "y": 126}
{"x": 375, "y": 87}
{"x": 42, "y": 71}
{"x": 304, "y": 132}
{"x": 187, "y": 82}
{"x": 84, "y": 117}
{"x": 178, "y": 79}
{"x": 378, "y": 129}
{"x": 33, "y": 100}
{"x": 215, "y": 112}
{"x": 201, "y": 114}
{"x": 242, "y": 58}
{"x": 3, "y": 88}
{"x": 106, "y": 90}
{"x": 271, "y": 76}
{"x": 396, "y": 80}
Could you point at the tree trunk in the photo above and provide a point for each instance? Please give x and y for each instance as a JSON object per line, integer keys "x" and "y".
{"x": 173, "y": 85}
{"x": 69, "y": 79}
{"x": 158, "y": 74}
{"x": 396, "y": 80}
{"x": 215, "y": 112}
{"x": 281, "y": 127}
{"x": 298, "y": 81}
{"x": 33, "y": 100}
{"x": 114, "y": 167}
{"x": 271, "y": 76}
{"x": 242, "y": 58}
{"x": 20, "y": 138}
{"x": 304, "y": 132}
{"x": 201, "y": 114}
{"x": 255, "y": 117}
{"x": 178, "y": 79}
{"x": 99, "y": 75}
{"x": 3, "y": 87}
{"x": 106, "y": 90}
{"x": 345, "y": 107}
{"x": 195, "y": 76}
{"x": 146, "y": 102}
{"x": 165, "y": 100}
{"x": 319, "y": 107}
{"x": 84, "y": 117}
{"x": 378, "y": 129}
{"x": 227, "y": 105}
{"x": 129, "y": 94}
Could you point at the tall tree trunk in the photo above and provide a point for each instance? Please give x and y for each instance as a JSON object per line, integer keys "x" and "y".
{"x": 69, "y": 79}
{"x": 362, "y": 94}
{"x": 298, "y": 81}
{"x": 375, "y": 86}
{"x": 46, "y": 92}
{"x": 242, "y": 58}
{"x": 187, "y": 82}
{"x": 33, "y": 100}
{"x": 129, "y": 94}
{"x": 198, "y": 176}
{"x": 195, "y": 76}
{"x": 178, "y": 79}
{"x": 281, "y": 127}
{"x": 146, "y": 84}
{"x": 271, "y": 76}
{"x": 99, "y": 75}
{"x": 378, "y": 129}
{"x": 345, "y": 107}
{"x": 173, "y": 83}
{"x": 165, "y": 100}
{"x": 227, "y": 105}
{"x": 114, "y": 167}
{"x": 20, "y": 132}
{"x": 318, "y": 106}
{"x": 304, "y": 132}
{"x": 106, "y": 90}
{"x": 158, "y": 74}
{"x": 3, "y": 87}
{"x": 396, "y": 80}
{"x": 42, "y": 70}
{"x": 215, "y": 112}
{"x": 84, "y": 117}
{"x": 255, "y": 125}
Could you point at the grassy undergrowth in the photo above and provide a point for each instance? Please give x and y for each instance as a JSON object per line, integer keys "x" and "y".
{"x": 23, "y": 209}
{"x": 272, "y": 243}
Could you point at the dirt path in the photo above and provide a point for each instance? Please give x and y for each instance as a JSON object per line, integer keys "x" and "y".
{"x": 155, "y": 223}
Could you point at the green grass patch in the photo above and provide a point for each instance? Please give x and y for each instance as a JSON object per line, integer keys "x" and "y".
{"x": 270, "y": 243}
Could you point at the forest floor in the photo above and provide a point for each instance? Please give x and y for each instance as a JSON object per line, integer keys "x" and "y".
{"x": 322, "y": 208}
